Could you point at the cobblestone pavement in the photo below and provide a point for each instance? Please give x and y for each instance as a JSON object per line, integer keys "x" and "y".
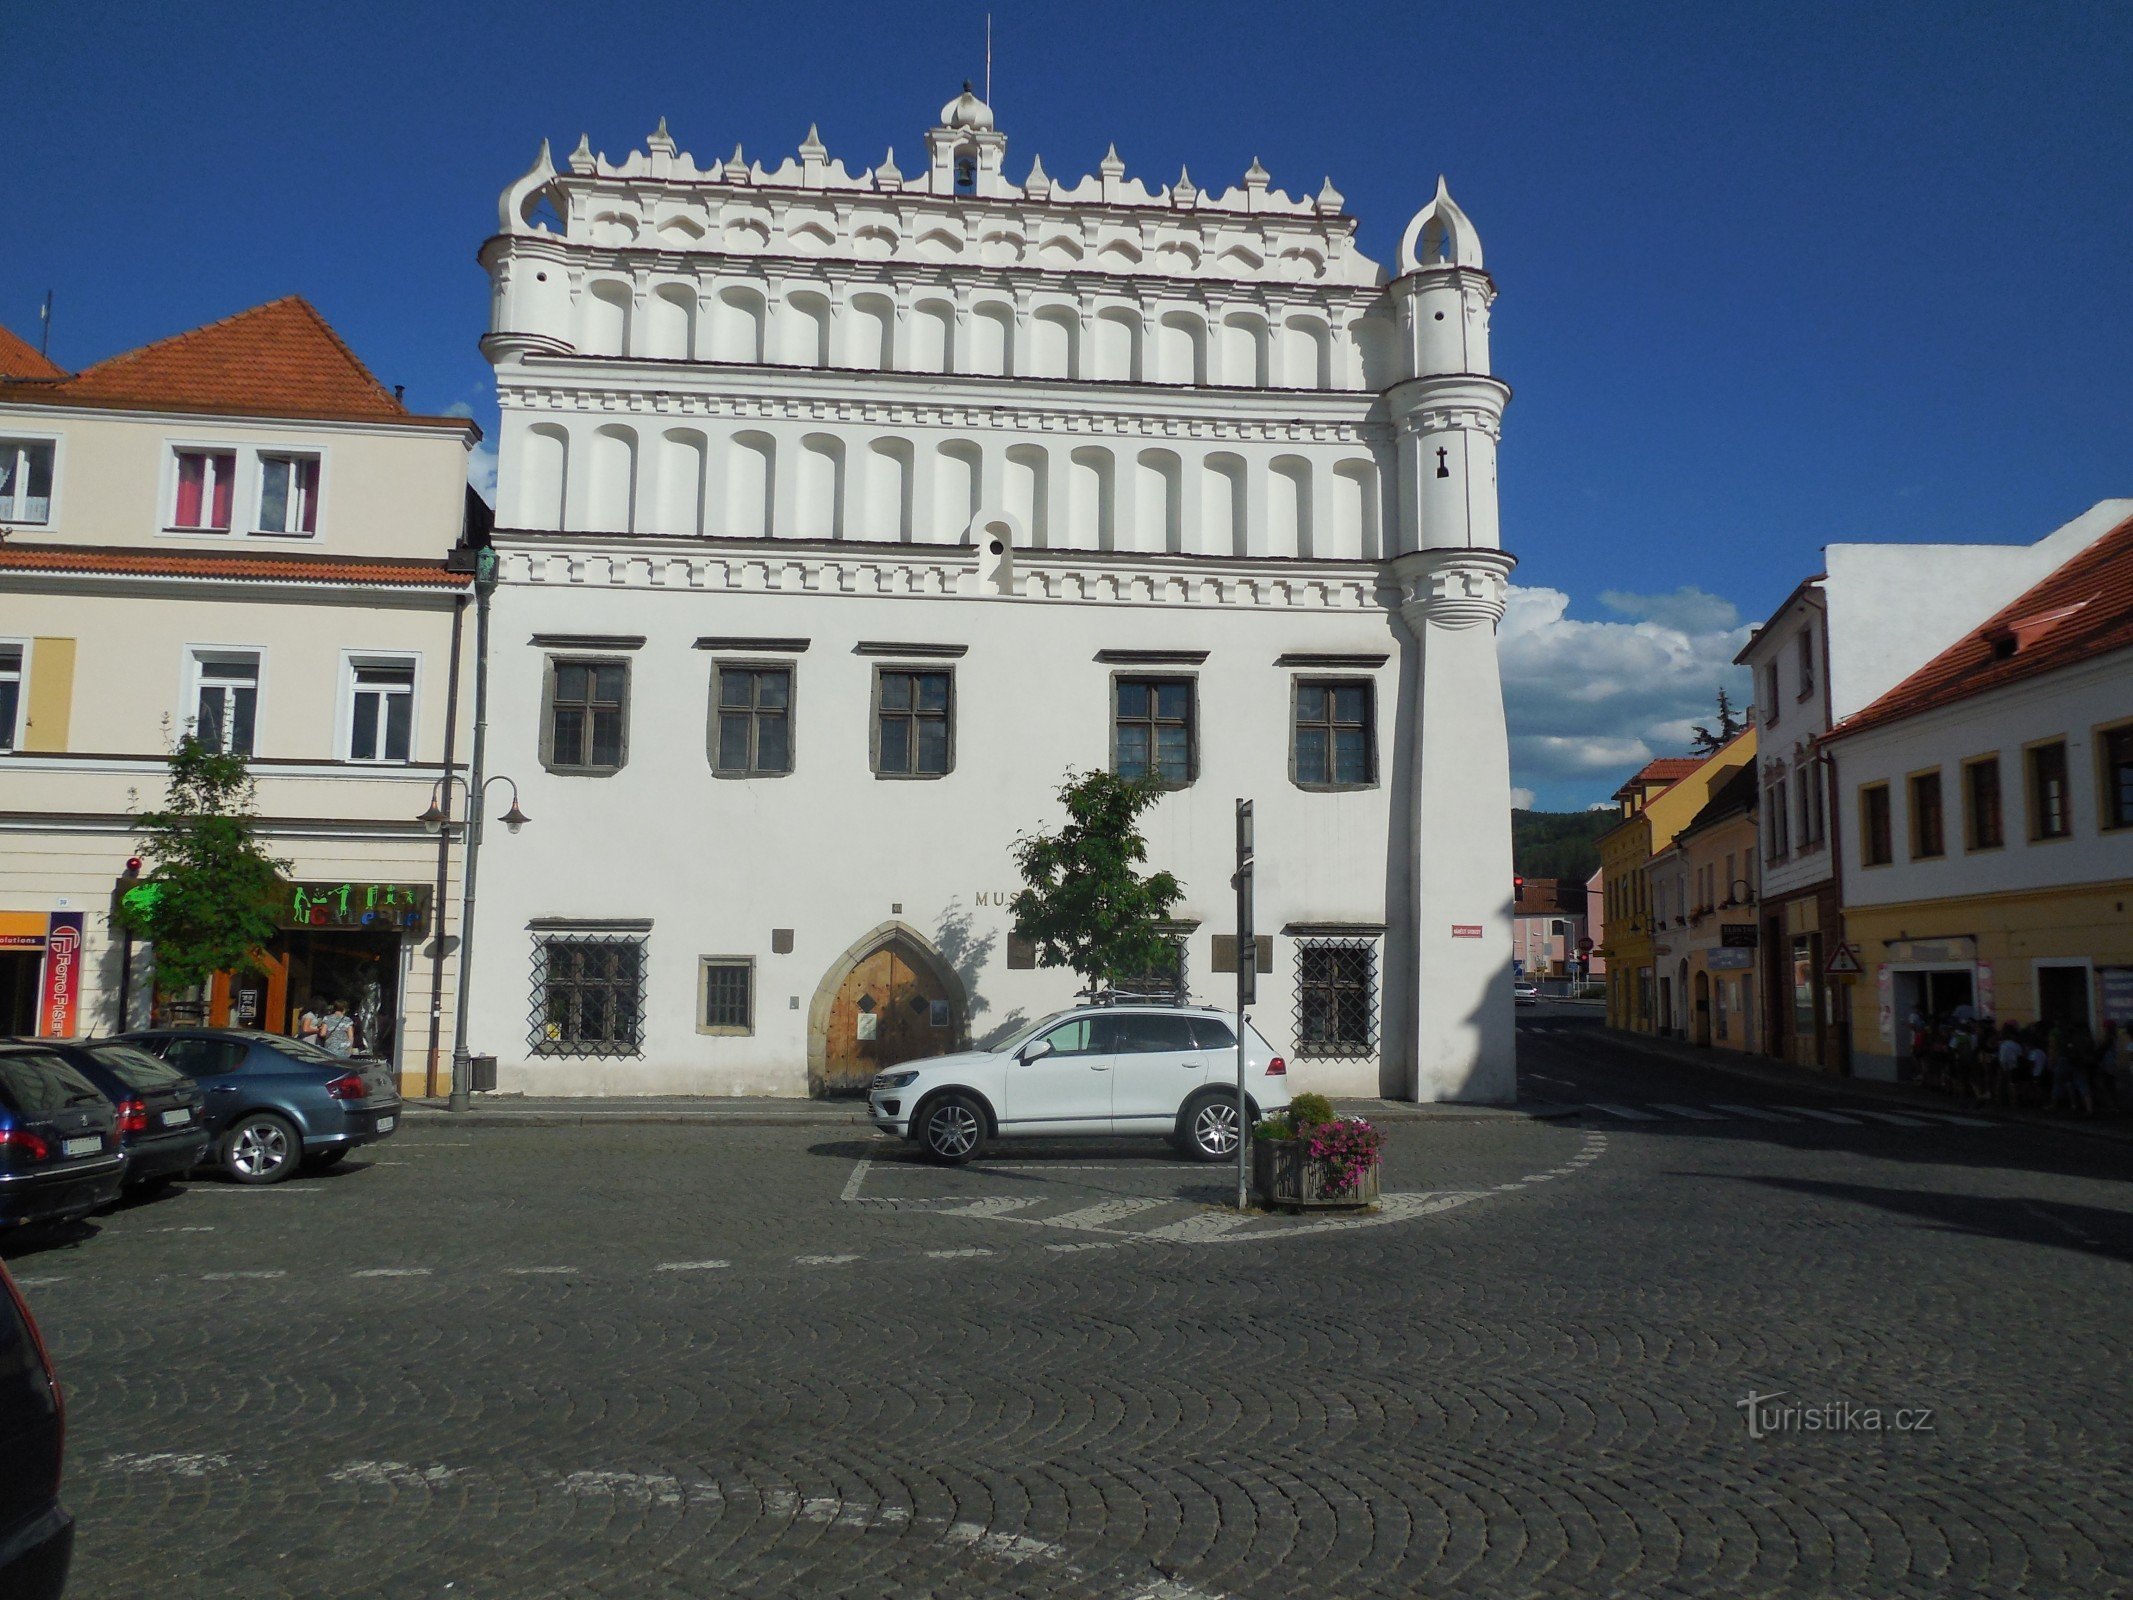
{"x": 785, "y": 1361}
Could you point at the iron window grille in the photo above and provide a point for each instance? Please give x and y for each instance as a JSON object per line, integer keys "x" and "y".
{"x": 725, "y": 995}
{"x": 752, "y": 722}
{"x": 588, "y": 995}
{"x": 1336, "y": 999}
{"x": 1332, "y": 743}
{"x": 1154, "y": 729}
{"x": 914, "y": 723}
{"x": 588, "y": 715}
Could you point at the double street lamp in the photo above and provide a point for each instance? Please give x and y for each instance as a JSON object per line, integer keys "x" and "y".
{"x": 435, "y": 819}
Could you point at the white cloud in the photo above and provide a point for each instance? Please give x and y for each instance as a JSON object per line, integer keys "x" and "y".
{"x": 1521, "y": 799}
{"x": 481, "y": 460}
{"x": 1590, "y": 702}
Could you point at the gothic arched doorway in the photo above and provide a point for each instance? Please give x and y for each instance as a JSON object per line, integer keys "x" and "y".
{"x": 890, "y": 998}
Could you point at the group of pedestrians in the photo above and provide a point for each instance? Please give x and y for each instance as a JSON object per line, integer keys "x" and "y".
{"x": 2054, "y": 1066}
{"x": 330, "y": 1027}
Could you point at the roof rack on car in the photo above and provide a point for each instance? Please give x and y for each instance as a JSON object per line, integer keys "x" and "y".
{"x": 1116, "y": 996}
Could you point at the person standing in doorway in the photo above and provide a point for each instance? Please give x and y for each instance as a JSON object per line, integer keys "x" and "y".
{"x": 338, "y": 1033}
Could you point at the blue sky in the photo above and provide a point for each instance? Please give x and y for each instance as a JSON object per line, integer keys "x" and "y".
{"x": 1772, "y": 275}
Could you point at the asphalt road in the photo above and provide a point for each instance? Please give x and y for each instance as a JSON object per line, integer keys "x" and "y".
{"x": 782, "y": 1361}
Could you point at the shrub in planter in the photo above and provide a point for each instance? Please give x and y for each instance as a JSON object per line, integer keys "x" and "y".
{"x": 1311, "y": 1158}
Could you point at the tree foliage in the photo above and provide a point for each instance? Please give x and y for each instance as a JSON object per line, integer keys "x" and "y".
{"x": 1709, "y": 741}
{"x": 1087, "y": 906}
{"x": 1558, "y": 844}
{"x": 207, "y": 902}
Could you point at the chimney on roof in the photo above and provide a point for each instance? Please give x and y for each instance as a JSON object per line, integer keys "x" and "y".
{"x": 399, "y": 390}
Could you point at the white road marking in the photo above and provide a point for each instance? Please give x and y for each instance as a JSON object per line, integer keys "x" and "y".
{"x": 1889, "y": 1117}
{"x": 992, "y": 1206}
{"x": 1697, "y": 1113}
{"x": 642, "y": 1488}
{"x": 1099, "y": 1216}
{"x": 196, "y": 1465}
{"x": 541, "y": 1272}
{"x": 37, "y": 1283}
{"x": 1013, "y": 1546}
{"x": 1199, "y": 1229}
{"x": 1170, "y": 1589}
{"x": 1760, "y": 1113}
{"x": 1628, "y": 1112}
{"x": 955, "y": 1255}
{"x": 392, "y": 1272}
{"x": 233, "y": 1277}
{"x": 1824, "y": 1116}
{"x": 858, "y": 1177}
{"x": 691, "y": 1266}
{"x": 391, "y": 1475}
{"x": 199, "y": 1227}
{"x": 821, "y": 1261}
{"x": 1094, "y": 1244}
{"x": 1960, "y": 1122}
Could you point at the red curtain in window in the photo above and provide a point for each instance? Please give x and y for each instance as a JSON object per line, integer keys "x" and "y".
{"x": 307, "y": 488}
{"x": 225, "y": 488}
{"x": 191, "y": 471}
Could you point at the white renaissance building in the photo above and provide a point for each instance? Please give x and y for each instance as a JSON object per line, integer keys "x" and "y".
{"x": 841, "y": 513}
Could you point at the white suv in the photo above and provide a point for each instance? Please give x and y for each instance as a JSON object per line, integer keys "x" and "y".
{"x": 1094, "y": 1070}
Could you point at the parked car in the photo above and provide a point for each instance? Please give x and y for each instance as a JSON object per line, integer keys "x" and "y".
{"x": 274, "y": 1103}
{"x": 1525, "y": 992}
{"x": 59, "y": 1147}
{"x": 1092, "y": 1071}
{"x": 162, "y": 1114}
{"x": 36, "y": 1536}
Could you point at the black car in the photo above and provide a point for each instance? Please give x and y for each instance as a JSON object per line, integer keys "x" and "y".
{"x": 36, "y": 1536}
{"x": 275, "y": 1103}
{"x": 162, "y": 1114}
{"x": 59, "y": 1147}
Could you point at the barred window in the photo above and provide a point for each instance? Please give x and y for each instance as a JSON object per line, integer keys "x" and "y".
{"x": 1336, "y": 999}
{"x": 752, "y": 736}
{"x": 1153, "y": 729}
{"x": 588, "y": 995}
{"x": 1333, "y": 735}
{"x": 588, "y": 715}
{"x": 914, "y": 726}
{"x": 725, "y": 990}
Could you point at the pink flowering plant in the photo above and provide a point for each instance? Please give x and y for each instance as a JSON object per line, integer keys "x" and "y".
{"x": 1349, "y": 1147}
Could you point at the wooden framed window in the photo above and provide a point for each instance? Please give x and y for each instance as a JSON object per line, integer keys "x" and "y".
{"x": 1154, "y": 729}
{"x": 585, "y": 724}
{"x": 2114, "y": 750}
{"x": 751, "y": 720}
{"x": 1336, "y": 999}
{"x": 2050, "y": 811}
{"x": 1984, "y": 823}
{"x": 725, "y": 995}
{"x": 1928, "y": 830}
{"x": 1875, "y": 846}
{"x": 226, "y": 700}
{"x": 1333, "y": 742}
{"x": 914, "y": 722}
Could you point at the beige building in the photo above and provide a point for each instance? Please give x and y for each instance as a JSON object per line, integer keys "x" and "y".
{"x": 240, "y": 532}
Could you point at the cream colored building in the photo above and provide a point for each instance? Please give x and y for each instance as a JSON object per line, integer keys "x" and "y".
{"x": 240, "y": 532}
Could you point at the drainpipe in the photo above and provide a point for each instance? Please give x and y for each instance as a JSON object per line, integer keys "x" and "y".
{"x": 484, "y": 587}
{"x": 444, "y": 856}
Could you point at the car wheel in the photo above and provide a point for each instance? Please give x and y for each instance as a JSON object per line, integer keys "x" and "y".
{"x": 261, "y": 1148}
{"x": 319, "y": 1161}
{"x": 951, "y": 1130}
{"x": 1211, "y": 1128}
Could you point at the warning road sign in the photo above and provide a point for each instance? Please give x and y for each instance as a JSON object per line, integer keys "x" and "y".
{"x": 1843, "y": 962}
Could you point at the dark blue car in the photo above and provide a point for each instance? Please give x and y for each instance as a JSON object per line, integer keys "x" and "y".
{"x": 59, "y": 1147}
{"x": 162, "y": 1114}
{"x": 273, "y": 1103}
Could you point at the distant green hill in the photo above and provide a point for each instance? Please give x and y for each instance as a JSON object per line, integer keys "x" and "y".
{"x": 1558, "y": 844}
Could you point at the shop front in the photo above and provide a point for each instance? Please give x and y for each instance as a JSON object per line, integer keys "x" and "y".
{"x": 41, "y": 973}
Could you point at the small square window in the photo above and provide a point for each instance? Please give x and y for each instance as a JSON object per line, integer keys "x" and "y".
{"x": 1334, "y": 734}
{"x": 725, "y": 995}
{"x": 587, "y": 722}
{"x": 914, "y": 723}
{"x": 207, "y": 490}
{"x": 1153, "y": 730}
{"x": 751, "y": 721}
{"x": 288, "y": 494}
{"x": 25, "y": 482}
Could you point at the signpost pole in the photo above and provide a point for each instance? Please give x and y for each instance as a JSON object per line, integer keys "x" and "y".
{"x": 1247, "y": 981}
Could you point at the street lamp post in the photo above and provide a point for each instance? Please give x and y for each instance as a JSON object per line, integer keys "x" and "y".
{"x": 434, "y": 817}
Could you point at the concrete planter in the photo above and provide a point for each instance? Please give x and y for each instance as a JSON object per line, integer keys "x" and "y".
{"x": 1289, "y": 1178}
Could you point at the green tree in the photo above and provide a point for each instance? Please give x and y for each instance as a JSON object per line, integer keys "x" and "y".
{"x": 1087, "y": 906}
{"x": 1709, "y": 741}
{"x": 207, "y": 902}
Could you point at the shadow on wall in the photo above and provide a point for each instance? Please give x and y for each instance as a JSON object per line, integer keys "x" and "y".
{"x": 967, "y": 951}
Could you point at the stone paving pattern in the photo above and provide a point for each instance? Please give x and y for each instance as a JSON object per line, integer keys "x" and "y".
{"x": 675, "y": 1361}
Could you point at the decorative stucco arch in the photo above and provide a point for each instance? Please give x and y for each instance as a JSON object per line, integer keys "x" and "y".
{"x": 915, "y": 948}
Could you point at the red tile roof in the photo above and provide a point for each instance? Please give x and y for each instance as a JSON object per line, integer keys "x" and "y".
{"x": 18, "y": 359}
{"x": 2082, "y": 610}
{"x": 367, "y": 571}
{"x": 276, "y": 360}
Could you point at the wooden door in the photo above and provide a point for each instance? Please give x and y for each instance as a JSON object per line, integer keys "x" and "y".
{"x": 886, "y": 1011}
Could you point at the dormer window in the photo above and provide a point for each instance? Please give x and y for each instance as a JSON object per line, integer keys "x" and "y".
{"x": 288, "y": 494}
{"x": 207, "y": 488}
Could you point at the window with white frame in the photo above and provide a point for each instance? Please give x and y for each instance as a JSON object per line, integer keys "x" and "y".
{"x": 26, "y": 481}
{"x": 206, "y": 490}
{"x": 10, "y": 694}
{"x": 288, "y": 494}
{"x": 381, "y": 719}
{"x": 225, "y": 700}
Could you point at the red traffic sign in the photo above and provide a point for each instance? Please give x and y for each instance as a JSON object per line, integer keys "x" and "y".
{"x": 1584, "y": 947}
{"x": 1843, "y": 962}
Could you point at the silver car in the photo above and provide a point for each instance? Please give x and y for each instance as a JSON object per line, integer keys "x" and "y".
{"x": 1090, "y": 1072}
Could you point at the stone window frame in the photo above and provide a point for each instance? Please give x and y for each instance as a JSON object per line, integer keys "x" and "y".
{"x": 1915, "y": 785}
{"x": 547, "y": 936}
{"x": 1869, "y": 855}
{"x": 875, "y": 712}
{"x": 1972, "y": 766}
{"x": 551, "y": 662}
{"x": 1297, "y": 684}
{"x": 705, "y": 965}
{"x": 1364, "y": 1048}
{"x": 2031, "y": 779}
{"x": 720, "y": 666}
{"x": 2110, "y": 817}
{"x": 1153, "y": 675}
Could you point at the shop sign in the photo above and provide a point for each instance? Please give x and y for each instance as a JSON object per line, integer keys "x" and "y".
{"x": 1737, "y": 935}
{"x": 60, "y": 1015}
{"x": 1960, "y": 949}
{"x": 2117, "y": 984}
{"x": 1729, "y": 960}
{"x": 23, "y": 930}
{"x": 375, "y": 907}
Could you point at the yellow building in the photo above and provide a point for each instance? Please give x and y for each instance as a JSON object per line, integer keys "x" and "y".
{"x": 1657, "y": 803}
